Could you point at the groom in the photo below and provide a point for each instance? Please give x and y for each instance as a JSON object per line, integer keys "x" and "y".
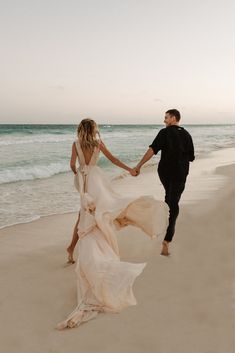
{"x": 176, "y": 146}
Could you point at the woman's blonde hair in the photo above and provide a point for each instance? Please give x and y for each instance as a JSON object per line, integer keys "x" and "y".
{"x": 88, "y": 134}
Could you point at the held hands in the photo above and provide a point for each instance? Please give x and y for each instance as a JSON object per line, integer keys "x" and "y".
{"x": 135, "y": 171}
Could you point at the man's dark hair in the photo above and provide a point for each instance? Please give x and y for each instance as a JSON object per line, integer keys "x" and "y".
{"x": 174, "y": 112}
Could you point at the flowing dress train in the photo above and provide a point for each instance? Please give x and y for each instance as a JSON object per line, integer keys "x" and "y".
{"x": 104, "y": 282}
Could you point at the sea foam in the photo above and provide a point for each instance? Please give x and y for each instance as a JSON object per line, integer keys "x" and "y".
{"x": 32, "y": 172}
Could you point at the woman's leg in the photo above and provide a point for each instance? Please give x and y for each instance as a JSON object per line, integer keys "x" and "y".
{"x": 73, "y": 243}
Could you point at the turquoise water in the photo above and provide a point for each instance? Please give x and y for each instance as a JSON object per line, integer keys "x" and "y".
{"x": 35, "y": 177}
{"x": 29, "y": 152}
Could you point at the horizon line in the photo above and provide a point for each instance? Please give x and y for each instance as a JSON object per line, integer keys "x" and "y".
{"x": 111, "y": 124}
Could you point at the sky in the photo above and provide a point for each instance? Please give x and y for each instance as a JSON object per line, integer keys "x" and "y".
{"x": 117, "y": 61}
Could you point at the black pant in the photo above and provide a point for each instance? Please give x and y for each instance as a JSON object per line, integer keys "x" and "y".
{"x": 173, "y": 190}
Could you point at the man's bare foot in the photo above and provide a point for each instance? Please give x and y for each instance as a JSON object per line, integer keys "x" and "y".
{"x": 70, "y": 255}
{"x": 165, "y": 249}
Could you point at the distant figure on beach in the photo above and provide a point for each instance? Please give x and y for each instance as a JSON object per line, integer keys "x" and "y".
{"x": 177, "y": 150}
{"x": 105, "y": 282}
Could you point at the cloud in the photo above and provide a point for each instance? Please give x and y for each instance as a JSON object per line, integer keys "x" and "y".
{"x": 224, "y": 113}
{"x": 58, "y": 87}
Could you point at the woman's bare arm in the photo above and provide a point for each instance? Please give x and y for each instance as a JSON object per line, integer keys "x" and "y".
{"x": 73, "y": 159}
{"x": 147, "y": 156}
{"x": 115, "y": 160}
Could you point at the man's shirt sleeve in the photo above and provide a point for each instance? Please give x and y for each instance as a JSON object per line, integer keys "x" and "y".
{"x": 191, "y": 149}
{"x": 158, "y": 142}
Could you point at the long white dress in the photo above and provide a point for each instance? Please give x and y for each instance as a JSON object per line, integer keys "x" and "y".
{"x": 104, "y": 282}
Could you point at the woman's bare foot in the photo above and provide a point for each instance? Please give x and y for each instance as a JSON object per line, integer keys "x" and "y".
{"x": 70, "y": 255}
{"x": 165, "y": 249}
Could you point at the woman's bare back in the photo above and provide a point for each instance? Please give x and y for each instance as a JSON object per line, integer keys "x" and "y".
{"x": 87, "y": 153}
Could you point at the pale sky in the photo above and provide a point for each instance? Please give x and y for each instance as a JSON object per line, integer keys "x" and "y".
{"x": 117, "y": 61}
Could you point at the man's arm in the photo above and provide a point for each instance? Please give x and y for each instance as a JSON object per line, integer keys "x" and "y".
{"x": 191, "y": 150}
{"x": 147, "y": 156}
{"x": 156, "y": 146}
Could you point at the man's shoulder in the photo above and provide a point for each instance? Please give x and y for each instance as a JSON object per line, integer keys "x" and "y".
{"x": 162, "y": 131}
{"x": 185, "y": 131}
{"x": 161, "y": 134}
{"x": 181, "y": 128}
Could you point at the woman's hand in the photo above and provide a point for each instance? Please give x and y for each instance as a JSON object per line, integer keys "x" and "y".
{"x": 137, "y": 169}
{"x": 133, "y": 172}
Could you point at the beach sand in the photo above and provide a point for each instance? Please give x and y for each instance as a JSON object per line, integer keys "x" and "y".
{"x": 186, "y": 302}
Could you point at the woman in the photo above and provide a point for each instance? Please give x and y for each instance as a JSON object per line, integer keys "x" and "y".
{"x": 90, "y": 125}
{"x": 104, "y": 281}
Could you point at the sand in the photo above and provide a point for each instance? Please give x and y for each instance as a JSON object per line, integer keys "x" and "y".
{"x": 186, "y": 302}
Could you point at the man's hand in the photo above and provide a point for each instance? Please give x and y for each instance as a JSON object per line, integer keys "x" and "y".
{"x": 137, "y": 169}
{"x": 134, "y": 172}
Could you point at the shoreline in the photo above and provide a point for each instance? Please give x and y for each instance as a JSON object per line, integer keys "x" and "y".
{"x": 149, "y": 181}
{"x": 220, "y": 170}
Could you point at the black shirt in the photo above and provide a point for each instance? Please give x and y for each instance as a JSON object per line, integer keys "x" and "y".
{"x": 177, "y": 151}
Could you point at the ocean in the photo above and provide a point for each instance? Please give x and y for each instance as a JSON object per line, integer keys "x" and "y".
{"x": 35, "y": 177}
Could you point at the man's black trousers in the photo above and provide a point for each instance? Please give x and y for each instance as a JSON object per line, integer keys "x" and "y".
{"x": 173, "y": 191}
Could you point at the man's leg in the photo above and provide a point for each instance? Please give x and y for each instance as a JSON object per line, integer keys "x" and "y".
{"x": 173, "y": 191}
{"x": 165, "y": 182}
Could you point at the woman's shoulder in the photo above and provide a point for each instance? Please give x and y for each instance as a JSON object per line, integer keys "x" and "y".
{"x": 75, "y": 146}
{"x": 101, "y": 145}
{"x": 76, "y": 143}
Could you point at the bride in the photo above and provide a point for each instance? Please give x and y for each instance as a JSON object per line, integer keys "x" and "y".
{"x": 104, "y": 282}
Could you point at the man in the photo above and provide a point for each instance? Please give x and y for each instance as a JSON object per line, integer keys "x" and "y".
{"x": 176, "y": 146}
